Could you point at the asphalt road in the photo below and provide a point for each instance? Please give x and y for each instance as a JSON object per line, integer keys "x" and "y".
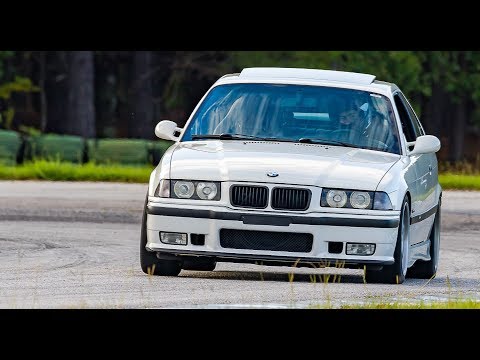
{"x": 75, "y": 245}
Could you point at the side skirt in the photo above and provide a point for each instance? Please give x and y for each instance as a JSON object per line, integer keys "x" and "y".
{"x": 420, "y": 251}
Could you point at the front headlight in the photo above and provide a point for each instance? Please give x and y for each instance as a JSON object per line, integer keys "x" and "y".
{"x": 360, "y": 199}
{"x": 193, "y": 189}
{"x": 206, "y": 190}
{"x": 355, "y": 199}
{"x": 183, "y": 189}
{"x": 336, "y": 198}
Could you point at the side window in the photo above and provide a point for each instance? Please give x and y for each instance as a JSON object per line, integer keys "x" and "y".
{"x": 416, "y": 123}
{"x": 407, "y": 126}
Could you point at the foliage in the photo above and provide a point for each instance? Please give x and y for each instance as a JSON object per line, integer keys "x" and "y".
{"x": 29, "y": 130}
{"x": 189, "y": 75}
{"x": 458, "y": 71}
{"x": 63, "y": 171}
{"x": 19, "y": 84}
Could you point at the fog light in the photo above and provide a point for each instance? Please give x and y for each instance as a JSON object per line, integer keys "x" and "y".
{"x": 173, "y": 238}
{"x": 360, "y": 249}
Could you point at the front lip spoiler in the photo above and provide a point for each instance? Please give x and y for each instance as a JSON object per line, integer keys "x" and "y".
{"x": 260, "y": 257}
{"x": 275, "y": 220}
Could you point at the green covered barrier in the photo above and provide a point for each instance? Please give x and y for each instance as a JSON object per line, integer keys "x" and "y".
{"x": 74, "y": 149}
{"x": 10, "y": 145}
{"x": 56, "y": 148}
{"x": 119, "y": 151}
{"x": 157, "y": 148}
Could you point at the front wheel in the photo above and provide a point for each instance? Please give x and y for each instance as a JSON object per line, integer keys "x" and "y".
{"x": 149, "y": 262}
{"x": 395, "y": 273}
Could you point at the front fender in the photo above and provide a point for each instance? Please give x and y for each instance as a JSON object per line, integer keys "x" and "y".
{"x": 162, "y": 171}
{"x": 396, "y": 181}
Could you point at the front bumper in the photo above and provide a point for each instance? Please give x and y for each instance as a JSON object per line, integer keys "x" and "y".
{"x": 380, "y": 230}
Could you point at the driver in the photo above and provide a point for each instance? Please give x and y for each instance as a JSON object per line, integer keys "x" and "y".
{"x": 350, "y": 115}
{"x": 360, "y": 124}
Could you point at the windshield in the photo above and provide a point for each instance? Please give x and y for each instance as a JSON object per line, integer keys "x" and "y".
{"x": 296, "y": 113}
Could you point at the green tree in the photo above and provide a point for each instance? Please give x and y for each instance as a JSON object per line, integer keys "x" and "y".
{"x": 10, "y": 83}
{"x": 454, "y": 79}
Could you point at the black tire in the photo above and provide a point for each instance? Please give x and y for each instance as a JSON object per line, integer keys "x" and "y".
{"x": 202, "y": 264}
{"x": 395, "y": 273}
{"x": 428, "y": 269}
{"x": 149, "y": 262}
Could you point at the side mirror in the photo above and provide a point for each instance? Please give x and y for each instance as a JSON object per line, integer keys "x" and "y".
{"x": 166, "y": 129}
{"x": 425, "y": 144}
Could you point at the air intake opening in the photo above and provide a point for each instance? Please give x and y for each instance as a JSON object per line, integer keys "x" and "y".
{"x": 197, "y": 239}
{"x": 266, "y": 240}
{"x": 335, "y": 247}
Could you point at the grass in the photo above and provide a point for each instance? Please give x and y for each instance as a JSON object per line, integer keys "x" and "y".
{"x": 459, "y": 181}
{"x": 460, "y": 175}
{"x": 450, "y": 304}
{"x": 65, "y": 171}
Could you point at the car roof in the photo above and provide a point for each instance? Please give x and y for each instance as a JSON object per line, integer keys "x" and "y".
{"x": 334, "y": 78}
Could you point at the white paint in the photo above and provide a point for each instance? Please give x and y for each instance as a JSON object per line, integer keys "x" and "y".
{"x": 305, "y": 165}
{"x": 307, "y": 74}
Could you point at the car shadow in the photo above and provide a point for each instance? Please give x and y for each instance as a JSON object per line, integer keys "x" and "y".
{"x": 325, "y": 277}
{"x": 278, "y": 276}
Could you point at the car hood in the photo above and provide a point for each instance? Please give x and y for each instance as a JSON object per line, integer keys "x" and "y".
{"x": 295, "y": 163}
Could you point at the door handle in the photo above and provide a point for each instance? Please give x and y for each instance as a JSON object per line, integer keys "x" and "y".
{"x": 430, "y": 169}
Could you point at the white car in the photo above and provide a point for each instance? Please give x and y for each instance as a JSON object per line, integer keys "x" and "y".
{"x": 286, "y": 166}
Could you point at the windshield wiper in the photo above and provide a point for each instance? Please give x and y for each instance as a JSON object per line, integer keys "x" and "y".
{"x": 226, "y": 136}
{"x": 325, "y": 142}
